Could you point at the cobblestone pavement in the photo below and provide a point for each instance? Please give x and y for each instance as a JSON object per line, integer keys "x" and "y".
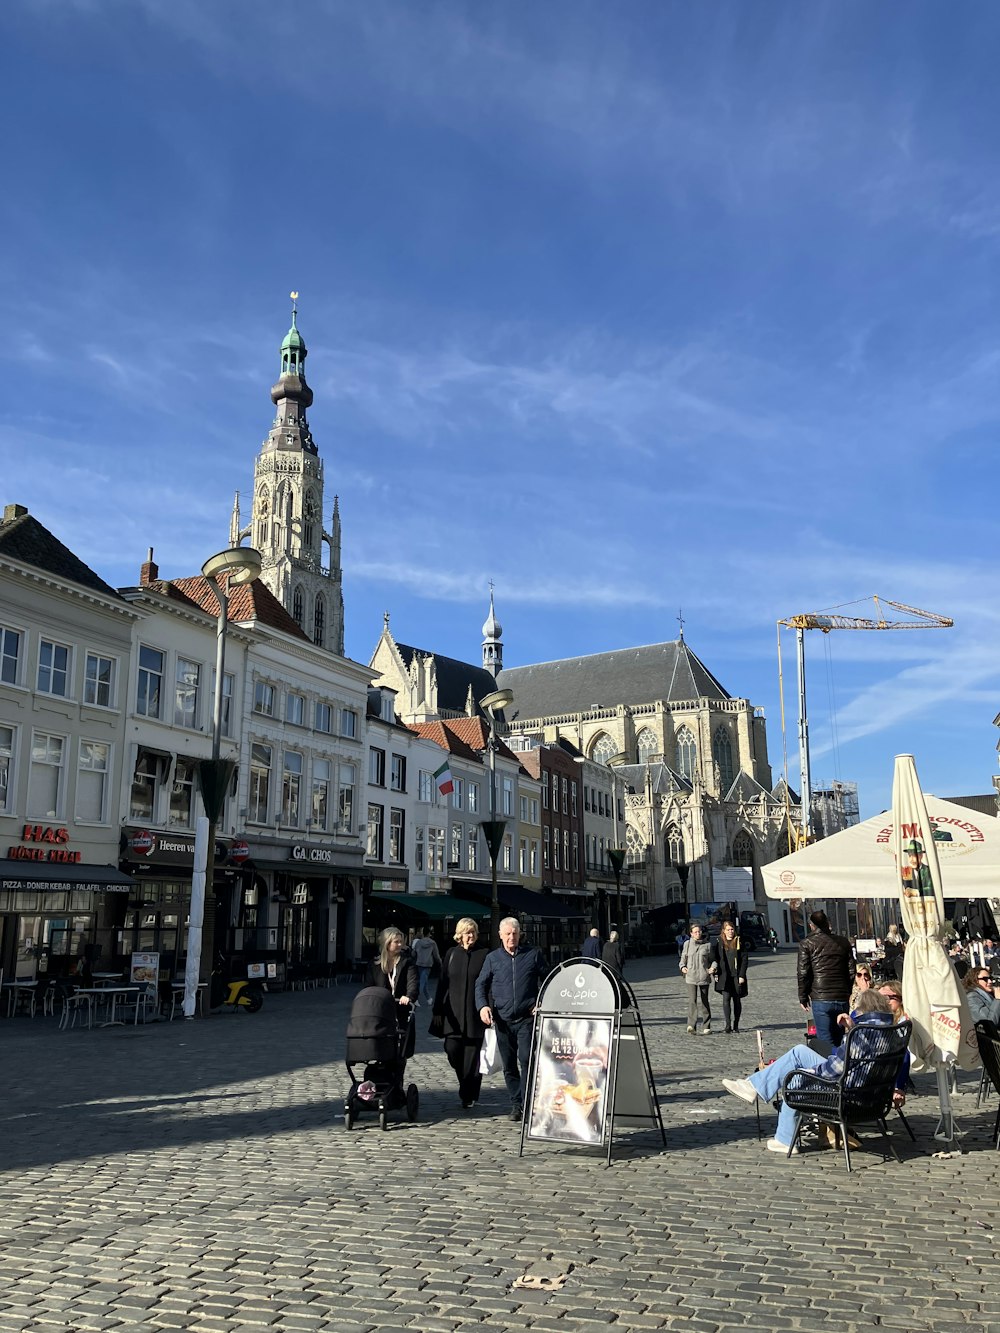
{"x": 199, "y": 1176}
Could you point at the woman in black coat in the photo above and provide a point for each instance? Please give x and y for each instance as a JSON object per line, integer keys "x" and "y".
{"x": 456, "y": 1017}
{"x": 395, "y": 969}
{"x": 729, "y": 962}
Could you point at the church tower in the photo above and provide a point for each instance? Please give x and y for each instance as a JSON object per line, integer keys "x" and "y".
{"x": 286, "y": 522}
{"x": 492, "y": 642}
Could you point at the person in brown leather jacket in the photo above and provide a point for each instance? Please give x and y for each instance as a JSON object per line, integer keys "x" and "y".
{"x": 824, "y": 976}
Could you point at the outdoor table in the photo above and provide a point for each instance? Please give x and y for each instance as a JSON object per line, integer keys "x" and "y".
{"x": 177, "y": 997}
{"x": 106, "y": 993}
{"x": 15, "y": 989}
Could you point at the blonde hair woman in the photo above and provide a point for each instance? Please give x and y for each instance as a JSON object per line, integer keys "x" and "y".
{"x": 395, "y": 970}
{"x": 456, "y": 1017}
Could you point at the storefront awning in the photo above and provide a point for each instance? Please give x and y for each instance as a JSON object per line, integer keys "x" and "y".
{"x": 25, "y": 876}
{"x": 431, "y": 906}
{"x": 516, "y": 899}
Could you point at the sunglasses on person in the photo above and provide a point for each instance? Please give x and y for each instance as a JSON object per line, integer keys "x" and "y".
{"x": 891, "y": 995}
{"x": 867, "y": 975}
{"x": 985, "y": 976}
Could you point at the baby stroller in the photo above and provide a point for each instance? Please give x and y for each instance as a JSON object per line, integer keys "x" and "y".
{"x": 379, "y": 1034}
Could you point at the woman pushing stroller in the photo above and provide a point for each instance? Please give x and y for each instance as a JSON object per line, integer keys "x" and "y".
{"x": 395, "y": 970}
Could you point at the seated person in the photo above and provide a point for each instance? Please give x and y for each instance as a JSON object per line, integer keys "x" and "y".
{"x": 981, "y": 996}
{"x": 862, "y": 982}
{"x": 873, "y": 1011}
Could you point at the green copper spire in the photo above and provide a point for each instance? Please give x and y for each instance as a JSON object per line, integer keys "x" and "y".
{"x": 293, "y": 349}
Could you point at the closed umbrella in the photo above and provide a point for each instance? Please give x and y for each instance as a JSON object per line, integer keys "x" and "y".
{"x": 943, "y": 1031}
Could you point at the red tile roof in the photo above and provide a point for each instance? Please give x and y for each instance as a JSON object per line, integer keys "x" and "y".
{"x": 247, "y": 601}
{"x": 464, "y": 736}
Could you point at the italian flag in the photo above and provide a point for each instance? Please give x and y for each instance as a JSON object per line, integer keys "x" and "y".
{"x": 444, "y": 781}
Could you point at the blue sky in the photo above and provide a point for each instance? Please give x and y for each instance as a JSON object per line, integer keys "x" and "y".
{"x": 629, "y": 308}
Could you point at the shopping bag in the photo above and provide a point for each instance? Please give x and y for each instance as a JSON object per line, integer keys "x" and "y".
{"x": 489, "y": 1056}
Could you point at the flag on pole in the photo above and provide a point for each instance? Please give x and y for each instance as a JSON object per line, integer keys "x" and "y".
{"x": 444, "y": 780}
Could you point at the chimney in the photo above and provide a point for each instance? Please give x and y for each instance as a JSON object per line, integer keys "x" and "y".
{"x": 10, "y": 512}
{"x": 150, "y": 572}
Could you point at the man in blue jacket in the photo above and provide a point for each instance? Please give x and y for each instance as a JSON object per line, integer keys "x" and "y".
{"x": 506, "y": 991}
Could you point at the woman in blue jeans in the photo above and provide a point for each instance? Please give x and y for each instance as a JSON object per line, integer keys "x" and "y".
{"x": 873, "y": 1011}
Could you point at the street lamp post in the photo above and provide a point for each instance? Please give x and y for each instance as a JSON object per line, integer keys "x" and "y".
{"x": 616, "y": 854}
{"x": 234, "y": 566}
{"x": 493, "y": 828}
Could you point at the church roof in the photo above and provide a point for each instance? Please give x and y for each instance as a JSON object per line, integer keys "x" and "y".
{"x": 247, "y": 601}
{"x": 453, "y": 678}
{"x": 780, "y": 787}
{"x": 670, "y": 672}
{"x": 24, "y": 539}
{"x": 746, "y": 788}
{"x": 665, "y": 781}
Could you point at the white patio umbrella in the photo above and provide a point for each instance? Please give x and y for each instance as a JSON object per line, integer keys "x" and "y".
{"x": 943, "y": 1030}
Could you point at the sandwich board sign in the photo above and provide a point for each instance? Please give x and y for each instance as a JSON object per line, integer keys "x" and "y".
{"x": 589, "y": 1064}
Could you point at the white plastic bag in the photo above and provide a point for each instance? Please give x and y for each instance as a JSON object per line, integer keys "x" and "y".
{"x": 489, "y": 1056}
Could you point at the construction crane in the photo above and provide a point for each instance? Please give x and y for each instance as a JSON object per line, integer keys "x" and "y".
{"x": 827, "y": 621}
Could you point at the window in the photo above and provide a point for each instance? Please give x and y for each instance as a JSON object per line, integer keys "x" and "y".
{"x": 472, "y": 801}
{"x": 92, "y": 782}
{"x": 345, "y": 798}
{"x": 53, "y": 668}
{"x": 576, "y": 850}
{"x": 674, "y": 846}
{"x": 687, "y": 753}
{"x": 556, "y": 858}
{"x": 646, "y": 745}
{"x": 545, "y": 847}
{"x": 260, "y": 783}
{"x": 145, "y": 785}
{"x": 601, "y": 808}
{"x": 228, "y": 689}
{"x": 291, "y": 788}
{"x": 295, "y": 710}
{"x": 319, "y": 622}
{"x": 508, "y": 852}
{"x": 508, "y": 796}
{"x": 376, "y": 767}
{"x": 534, "y": 809}
{"x": 742, "y": 854}
{"x": 603, "y": 748}
{"x": 522, "y": 861}
{"x": 99, "y": 681}
{"x": 545, "y": 791}
{"x": 458, "y": 793}
{"x": 186, "y": 693}
{"x": 324, "y": 718}
{"x": 396, "y": 836}
{"x": 297, "y": 606}
{"x": 523, "y": 808}
{"x": 348, "y": 722}
{"x": 722, "y": 754}
{"x": 6, "y": 768}
{"x": 418, "y": 848}
{"x": 263, "y": 698}
{"x": 10, "y": 651}
{"x": 586, "y": 798}
{"x": 320, "y": 802}
{"x": 425, "y": 785}
{"x": 45, "y": 781}
{"x": 572, "y": 799}
{"x": 455, "y": 860}
{"x": 182, "y": 794}
{"x": 533, "y": 868}
{"x": 565, "y": 796}
{"x": 374, "y": 840}
{"x": 435, "y": 851}
{"x": 472, "y": 843}
{"x": 397, "y": 773}
{"x": 150, "y": 686}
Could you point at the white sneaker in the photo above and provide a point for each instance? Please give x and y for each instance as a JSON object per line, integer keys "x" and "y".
{"x": 741, "y": 1087}
{"x": 774, "y": 1146}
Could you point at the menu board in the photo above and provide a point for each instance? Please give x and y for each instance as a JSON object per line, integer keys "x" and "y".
{"x": 145, "y": 969}
{"x": 568, "y": 1099}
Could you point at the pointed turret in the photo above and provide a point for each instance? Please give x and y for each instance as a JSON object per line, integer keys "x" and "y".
{"x": 492, "y": 644}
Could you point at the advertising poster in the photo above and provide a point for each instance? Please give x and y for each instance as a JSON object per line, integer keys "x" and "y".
{"x": 145, "y": 968}
{"x": 569, "y": 1094}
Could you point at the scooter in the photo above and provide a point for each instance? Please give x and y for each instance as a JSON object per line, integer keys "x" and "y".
{"x": 238, "y": 994}
{"x": 772, "y": 940}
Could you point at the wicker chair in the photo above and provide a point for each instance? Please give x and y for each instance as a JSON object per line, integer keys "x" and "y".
{"x": 862, "y": 1093}
{"x": 988, "y": 1037}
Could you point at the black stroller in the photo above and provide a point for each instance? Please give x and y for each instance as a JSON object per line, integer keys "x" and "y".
{"x": 379, "y": 1037}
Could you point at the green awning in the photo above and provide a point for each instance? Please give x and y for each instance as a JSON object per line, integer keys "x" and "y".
{"x": 431, "y": 906}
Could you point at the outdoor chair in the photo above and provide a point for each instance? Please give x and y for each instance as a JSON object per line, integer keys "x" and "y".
{"x": 988, "y": 1038}
{"x": 862, "y": 1093}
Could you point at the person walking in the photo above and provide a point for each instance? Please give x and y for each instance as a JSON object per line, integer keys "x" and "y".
{"x": 696, "y": 967}
{"x": 824, "y": 976}
{"x": 612, "y": 955}
{"x": 395, "y": 970}
{"x": 893, "y": 948}
{"x": 427, "y": 957}
{"x": 730, "y": 960}
{"x": 456, "y": 1015}
{"x": 592, "y": 945}
{"x": 506, "y": 991}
